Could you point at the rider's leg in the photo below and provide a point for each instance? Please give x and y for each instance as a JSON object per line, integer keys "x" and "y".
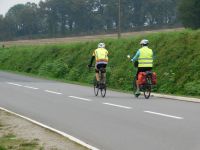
{"x": 97, "y": 77}
{"x": 138, "y": 88}
{"x": 97, "y": 72}
{"x": 104, "y": 78}
{"x": 104, "y": 74}
{"x": 137, "y": 84}
{"x": 137, "y": 92}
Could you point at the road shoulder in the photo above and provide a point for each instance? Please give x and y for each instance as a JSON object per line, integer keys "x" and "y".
{"x": 180, "y": 98}
{"x": 24, "y": 129}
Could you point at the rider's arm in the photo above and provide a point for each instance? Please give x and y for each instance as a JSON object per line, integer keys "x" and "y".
{"x": 136, "y": 56}
{"x": 91, "y": 61}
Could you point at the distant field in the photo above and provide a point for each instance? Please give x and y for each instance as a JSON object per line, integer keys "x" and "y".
{"x": 81, "y": 38}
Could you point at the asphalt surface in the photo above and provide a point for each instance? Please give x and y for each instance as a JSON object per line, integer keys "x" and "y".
{"x": 117, "y": 122}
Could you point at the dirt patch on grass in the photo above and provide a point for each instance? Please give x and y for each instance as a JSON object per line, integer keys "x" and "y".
{"x": 42, "y": 138}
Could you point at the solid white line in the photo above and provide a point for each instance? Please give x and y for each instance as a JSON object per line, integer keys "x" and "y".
{"x": 165, "y": 115}
{"x": 29, "y": 87}
{"x": 117, "y": 105}
{"x": 14, "y": 84}
{"x": 53, "y": 92}
{"x": 53, "y": 129}
{"x": 80, "y": 98}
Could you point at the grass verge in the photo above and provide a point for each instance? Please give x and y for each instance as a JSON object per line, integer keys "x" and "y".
{"x": 11, "y": 142}
{"x": 177, "y": 61}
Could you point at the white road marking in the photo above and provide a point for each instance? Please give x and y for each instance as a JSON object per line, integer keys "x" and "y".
{"x": 22, "y": 85}
{"x": 14, "y": 84}
{"x": 30, "y": 87}
{"x": 118, "y": 105}
{"x": 165, "y": 115}
{"x": 53, "y": 129}
{"x": 80, "y": 98}
{"x": 53, "y": 92}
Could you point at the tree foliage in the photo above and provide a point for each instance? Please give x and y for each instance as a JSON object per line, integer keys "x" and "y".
{"x": 190, "y": 13}
{"x": 52, "y": 18}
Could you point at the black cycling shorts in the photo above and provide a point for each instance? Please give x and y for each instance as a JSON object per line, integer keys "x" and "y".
{"x": 100, "y": 66}
{"x": 143, "y": 69}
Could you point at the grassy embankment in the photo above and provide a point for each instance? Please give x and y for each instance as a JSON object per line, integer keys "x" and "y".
{"x": 177, "y": 61}
{"x": 10, "y": 141}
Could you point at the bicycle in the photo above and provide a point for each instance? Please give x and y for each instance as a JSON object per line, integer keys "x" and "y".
{"x": 149, "y": 81}
{"x": 101, "y": 86}
{"x": 146, "y": 87}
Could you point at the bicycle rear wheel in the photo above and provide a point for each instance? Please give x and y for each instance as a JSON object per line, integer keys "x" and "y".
{"x": 103, "y": 90}
{"x": 147, "y": 90}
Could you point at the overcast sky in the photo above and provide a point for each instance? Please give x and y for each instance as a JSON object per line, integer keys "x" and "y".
{"x": 6, "y": 4}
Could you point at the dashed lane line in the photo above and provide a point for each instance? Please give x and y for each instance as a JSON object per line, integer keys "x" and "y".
{"x": 30, "y": 87}
{"x": 14, "y": 84}
{"x": 110, "y": 104}
{"x": 53, "y": 92}
{"x": 165, "y": 115}
{"x": 80, "y": 98}
{"x": 120, "y": 106}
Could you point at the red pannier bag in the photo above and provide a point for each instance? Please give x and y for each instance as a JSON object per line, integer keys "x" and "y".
{"x": 154, "y": 79}
{"x": 141, "y": 78}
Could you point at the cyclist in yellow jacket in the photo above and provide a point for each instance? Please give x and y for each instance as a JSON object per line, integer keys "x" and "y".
{"x": 144, "y": 56}
{"x": 101, "y": 57}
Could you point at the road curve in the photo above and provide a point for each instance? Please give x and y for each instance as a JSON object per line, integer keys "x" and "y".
{"x": 116, "y": 122}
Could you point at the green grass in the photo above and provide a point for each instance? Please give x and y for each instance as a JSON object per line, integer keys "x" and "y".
{"x": 11, "y": 142}
{"x": 177, "y": 61}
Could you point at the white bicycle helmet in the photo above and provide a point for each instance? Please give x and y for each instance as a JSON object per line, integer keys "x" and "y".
{"x": 144, "y": 42}
{"x": 101, "y": 45}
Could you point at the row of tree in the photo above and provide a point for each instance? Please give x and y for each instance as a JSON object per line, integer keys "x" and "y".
{"x": 190, "y": 13}
{"x": 70, "y": 17}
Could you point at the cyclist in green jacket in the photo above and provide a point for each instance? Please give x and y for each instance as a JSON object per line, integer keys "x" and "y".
{"x": 101, "y": 57}
{"x": 144, "y": 56}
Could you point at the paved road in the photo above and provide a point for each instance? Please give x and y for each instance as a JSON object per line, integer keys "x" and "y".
{"x": 117, "y": 122}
